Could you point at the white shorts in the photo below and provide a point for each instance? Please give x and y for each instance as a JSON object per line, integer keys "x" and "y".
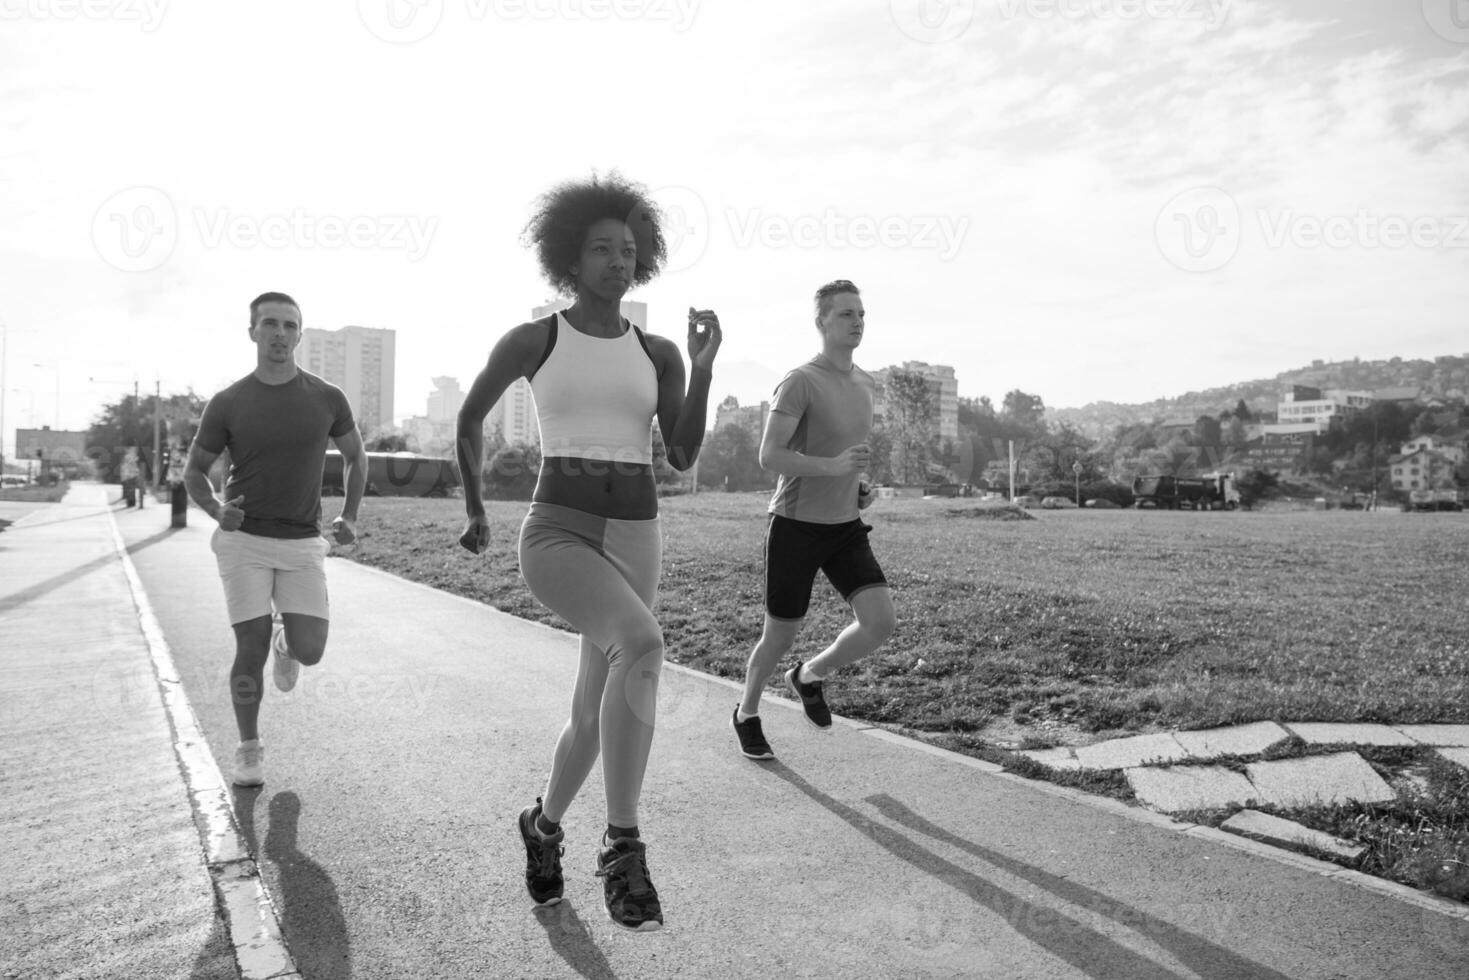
{"x": 260, "y": 574}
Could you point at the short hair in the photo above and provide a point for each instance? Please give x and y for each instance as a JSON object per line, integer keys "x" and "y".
{"x": 263, "y": 298}
{"x": 834, "y": 288}
{"x": 562, "y": 216}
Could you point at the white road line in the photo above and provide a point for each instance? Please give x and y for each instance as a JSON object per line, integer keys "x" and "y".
{"x": 250, "y": 918}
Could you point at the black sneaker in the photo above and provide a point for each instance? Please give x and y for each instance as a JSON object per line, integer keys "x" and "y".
{"x": 631, "y": 899}
{"x": 752, "y": 739}
{"x": 811, "y": 698}
{"x": 542, "y": 858}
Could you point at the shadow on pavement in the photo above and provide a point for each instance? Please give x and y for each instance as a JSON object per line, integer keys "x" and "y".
{"x": 311, "y": 913}
{"x": 572, "y": 942}
{"x": 1096, "y": 955}
{"x": 17, "y": 599}
{"x": 217, "y": 959}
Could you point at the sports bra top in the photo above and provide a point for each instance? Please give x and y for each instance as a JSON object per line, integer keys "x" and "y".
{"x": 596, "y": 396}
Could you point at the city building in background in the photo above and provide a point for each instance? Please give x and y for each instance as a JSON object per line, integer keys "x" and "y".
{"x": 1427, "y": 463}
{"x": 751, "y": 418}
{"x": 360, "y": 361}
{"x": 1307, "y": 409}
{"x": 943, "y": 391}
{"x": 51, "y": 449}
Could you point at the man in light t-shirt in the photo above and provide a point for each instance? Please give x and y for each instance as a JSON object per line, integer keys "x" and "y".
{"x": 816, "y": 439}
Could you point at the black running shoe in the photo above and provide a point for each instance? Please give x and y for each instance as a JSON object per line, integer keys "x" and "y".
{"x": 811, "y": 698}
{"x": 752, "y": 739}
{"x": 542, "y": 858}
{"x": 631, "y": 899}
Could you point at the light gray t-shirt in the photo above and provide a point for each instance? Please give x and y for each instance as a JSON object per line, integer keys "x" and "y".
{"x": 834, "y": 409}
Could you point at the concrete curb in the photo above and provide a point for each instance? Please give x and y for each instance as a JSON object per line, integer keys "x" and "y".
{"x": 241, "y": 899}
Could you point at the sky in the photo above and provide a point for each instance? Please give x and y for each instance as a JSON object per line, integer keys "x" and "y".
{"x": 1087, "y": 200}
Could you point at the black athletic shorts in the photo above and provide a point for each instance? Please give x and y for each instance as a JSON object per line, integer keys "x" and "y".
{"x": 796, "y": 550}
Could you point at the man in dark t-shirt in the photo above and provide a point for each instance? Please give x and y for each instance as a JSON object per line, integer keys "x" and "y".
{"x": 275, "y": 424}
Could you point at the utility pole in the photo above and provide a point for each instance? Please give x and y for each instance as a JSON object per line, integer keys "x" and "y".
{"x": 4, "y": 336}
{"x": 157, "y": 421}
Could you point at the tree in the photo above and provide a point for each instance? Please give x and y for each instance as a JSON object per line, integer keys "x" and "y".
{"x": 511, "y": 473}
{"x": 730, "y": 458}
{"x": 1254, "y": 486}
{"x": 1243, "y": 413}
{"x": 129, "y": 422}
{"x": 909, "y": 421}
{"x": 881, "y": 468}
{"x": 1025, "y": 411}
{"x": 388, "y": 442}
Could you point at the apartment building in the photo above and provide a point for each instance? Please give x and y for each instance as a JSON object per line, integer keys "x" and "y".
{"x": 360, "y": 361}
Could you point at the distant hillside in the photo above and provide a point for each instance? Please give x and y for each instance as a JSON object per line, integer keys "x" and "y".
{"x": 1444, "y": 377}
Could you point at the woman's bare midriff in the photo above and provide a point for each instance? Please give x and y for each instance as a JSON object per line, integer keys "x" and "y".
{"x": 620, "y": 491}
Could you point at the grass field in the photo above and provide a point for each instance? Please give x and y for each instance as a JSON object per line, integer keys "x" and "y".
{"x": 1074, "y": 622}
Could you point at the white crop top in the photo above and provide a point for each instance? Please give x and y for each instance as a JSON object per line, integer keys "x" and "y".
{"x": 596, "y": 396}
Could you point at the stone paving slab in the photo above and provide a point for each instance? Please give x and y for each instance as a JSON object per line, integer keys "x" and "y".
{"x": 1210, "y": 743}
{"x": 1263, "y": 826}
{"x": 1459, "y": 755}
{"x": 1326, "y": 779}
{"x": 1335, "y": 733}
{"x": 1175, "y": 788}
{"x": 1136, "y": 750}
{"x": 1058, "y": 758}
{"x": 1437, "y": 734}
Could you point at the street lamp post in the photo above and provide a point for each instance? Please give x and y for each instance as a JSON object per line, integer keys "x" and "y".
{"x": 1076, "y": 472}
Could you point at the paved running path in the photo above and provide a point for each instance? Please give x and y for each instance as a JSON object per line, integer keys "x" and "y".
{"x": 395, "y": 770}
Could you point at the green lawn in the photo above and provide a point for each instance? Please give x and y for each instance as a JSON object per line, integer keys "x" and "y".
{"x": 1098, "y": 621}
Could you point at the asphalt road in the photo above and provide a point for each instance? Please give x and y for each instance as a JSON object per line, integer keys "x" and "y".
{"x": 386, "y": 828}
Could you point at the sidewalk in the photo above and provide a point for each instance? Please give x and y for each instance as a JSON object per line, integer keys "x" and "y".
{"x": 102, "y": 871}
{"x": 395, "y": 769}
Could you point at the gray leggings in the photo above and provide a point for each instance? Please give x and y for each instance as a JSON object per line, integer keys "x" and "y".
{"x": 601, "y": 576}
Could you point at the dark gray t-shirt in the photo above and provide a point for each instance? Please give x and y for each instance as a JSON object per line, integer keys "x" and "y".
{"x": 277, "y": 437}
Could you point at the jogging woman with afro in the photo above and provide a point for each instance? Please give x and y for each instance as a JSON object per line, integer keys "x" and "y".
{"x": 591, "y": 545}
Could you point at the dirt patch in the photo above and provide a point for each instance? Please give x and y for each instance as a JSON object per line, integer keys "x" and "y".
{"x": 992, "y": 513}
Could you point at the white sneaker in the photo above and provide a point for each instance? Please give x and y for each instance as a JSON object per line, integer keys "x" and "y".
{"x": 250, "y": 763}
{"x": 287, "y": 668}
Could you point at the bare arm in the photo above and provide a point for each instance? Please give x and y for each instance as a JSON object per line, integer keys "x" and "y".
{"x": 775, "y": 454}
{"x": 515, "y": 355}
{"x": 682, "y": 417}
{"x": 354, "y": 483}
{"x": 228, "y": 513}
